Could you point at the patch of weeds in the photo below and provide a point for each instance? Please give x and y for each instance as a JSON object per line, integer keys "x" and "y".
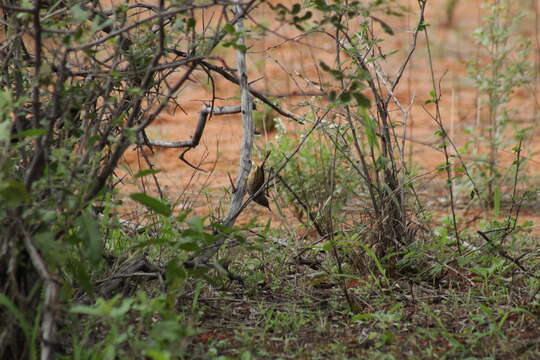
{"x": 309, "y": 183}
{"x": 283, "y": 321}
{"x": 160, "y": 331}
{"x": 384, "y": 325}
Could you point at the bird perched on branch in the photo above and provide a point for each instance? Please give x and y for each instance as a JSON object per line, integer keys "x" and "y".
{"x": 255, "y": 181}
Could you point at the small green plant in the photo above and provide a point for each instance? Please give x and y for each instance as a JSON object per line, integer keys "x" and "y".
{"x": 383, "y": 323}
{"x": 502, "y": 67}
{"x": 306, "y": 181}
{"x": 283, "y": 322}
{"x": 159, "y": 334}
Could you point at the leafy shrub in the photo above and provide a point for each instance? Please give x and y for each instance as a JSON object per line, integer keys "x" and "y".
{"x": 318, "y": 181}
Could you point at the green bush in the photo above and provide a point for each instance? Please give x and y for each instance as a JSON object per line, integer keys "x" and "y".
{"x": 318, "y": 181}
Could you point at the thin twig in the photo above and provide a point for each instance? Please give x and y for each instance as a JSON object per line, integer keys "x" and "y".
{"x": 444, "y": 135}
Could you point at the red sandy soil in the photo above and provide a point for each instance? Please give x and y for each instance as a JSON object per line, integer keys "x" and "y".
{"x": 452, "y": 46}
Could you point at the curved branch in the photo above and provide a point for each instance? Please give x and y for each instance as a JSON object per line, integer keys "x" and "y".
{"x": 203, "y": 116}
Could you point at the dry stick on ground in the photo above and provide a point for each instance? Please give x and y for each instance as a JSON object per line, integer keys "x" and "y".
{"x": 137, "y": 267}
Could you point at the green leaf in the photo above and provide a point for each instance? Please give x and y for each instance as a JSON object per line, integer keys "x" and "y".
{"x": 13, "y": 193}
{"x": 134, "y": 91}
{"x": 91, "y": 237}
{"x": 152, "y": 203}
{"x": 189, "y": 246}
{"x": 354, "y": 85}
{"x": 121, "y": 310}
{"x": 79, "y": 15}
{"x": 5, "y": 131}
{"x": 182, "y": 216}
{"x": 229, "y": 29}
{"x": 168, "y": 331}
{"x": 21, "y": 320}
{"x": 146, "y": 172}
{"x": 362, "y": 100}
{"x": 423, "y": 26}
{"x": 345, "y": 97}
{"x": 327, "y": 246}
{"x": 79, "y": 271}
{"x": 175, "y": 273}
{"x": 241, "y": 48}
{"x": 361, "y": 317}
{"x": 197, "y": 223}
{"x": 53, "y": 250}
{"x": 324, "y": 66}
{"x": 87, "y": 310}
{"x": 31, "y": 133}
{"x": 332, "y": 95}
{"x": 497, "y": 202}
{"x": 387, "y": 29}
{"x": 266, "y": 230}
{"x": 433, "y": 99}
{"x": 375, "y": 259}
{"x": 158, "y": 354}
{"x": 370, "y": 127}
{"x": 191, "y": 24}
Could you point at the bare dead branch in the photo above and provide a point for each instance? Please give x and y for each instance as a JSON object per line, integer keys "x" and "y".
{"x": 247, "y": 120}
{"x": 203, "y": 117}
{"x": 247, "y": 143}
{"x": 232, "y": 78}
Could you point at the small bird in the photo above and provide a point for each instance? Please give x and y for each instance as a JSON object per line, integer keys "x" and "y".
{"x": 254, "y": 183}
